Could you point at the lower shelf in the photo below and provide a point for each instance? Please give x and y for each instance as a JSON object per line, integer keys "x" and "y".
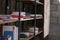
{"x": 30, "y": 37}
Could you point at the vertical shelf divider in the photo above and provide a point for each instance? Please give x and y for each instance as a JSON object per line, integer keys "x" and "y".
{"x": 19, "y": 22}
{"x": 35, "y": 20}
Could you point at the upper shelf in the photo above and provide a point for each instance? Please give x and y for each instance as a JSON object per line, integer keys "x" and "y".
{"x": 32, "y": 1}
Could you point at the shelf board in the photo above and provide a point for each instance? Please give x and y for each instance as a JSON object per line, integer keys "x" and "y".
{"x": 26, "y": 19}
{"x": 29, "y": 19}
{"x": 28, "y": 0}
{"x": 14, "y": 20}
{"x": 39, "y": 3}
{"x": 32, "y": 1}
{"x": 10, "y": 21}
{"x": 30, "y": 36}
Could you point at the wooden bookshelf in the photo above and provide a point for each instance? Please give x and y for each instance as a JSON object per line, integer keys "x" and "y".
{"x": 28, "y": 6}
{"x": 30, "y": 37}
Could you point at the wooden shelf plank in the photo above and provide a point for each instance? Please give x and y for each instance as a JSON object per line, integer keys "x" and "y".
{"x": 10, "y": 21}
{"x": 39, "y": 3}
{"x": 32, "y": 1}
{"x": 28, "y": 0}
{"x": 26, "y": 19}
{"x": 30, "y": 36}
{"x": 35, "y": 35}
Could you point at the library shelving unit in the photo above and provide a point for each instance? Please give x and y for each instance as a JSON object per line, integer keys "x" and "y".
{"x": 37, "y": 17}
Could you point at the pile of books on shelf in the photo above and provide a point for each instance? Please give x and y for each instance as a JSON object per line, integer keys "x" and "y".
{"x": 37, "y": 16}
{"x": 4, "y": 17}
{"x": 23, "y": 15}
{"x": 24, "y": 34}
{"x": 15, "y": 15}
{"x": 30, "y": 32}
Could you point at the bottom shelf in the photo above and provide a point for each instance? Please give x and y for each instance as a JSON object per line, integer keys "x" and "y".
{"x": 30, "y": 37}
